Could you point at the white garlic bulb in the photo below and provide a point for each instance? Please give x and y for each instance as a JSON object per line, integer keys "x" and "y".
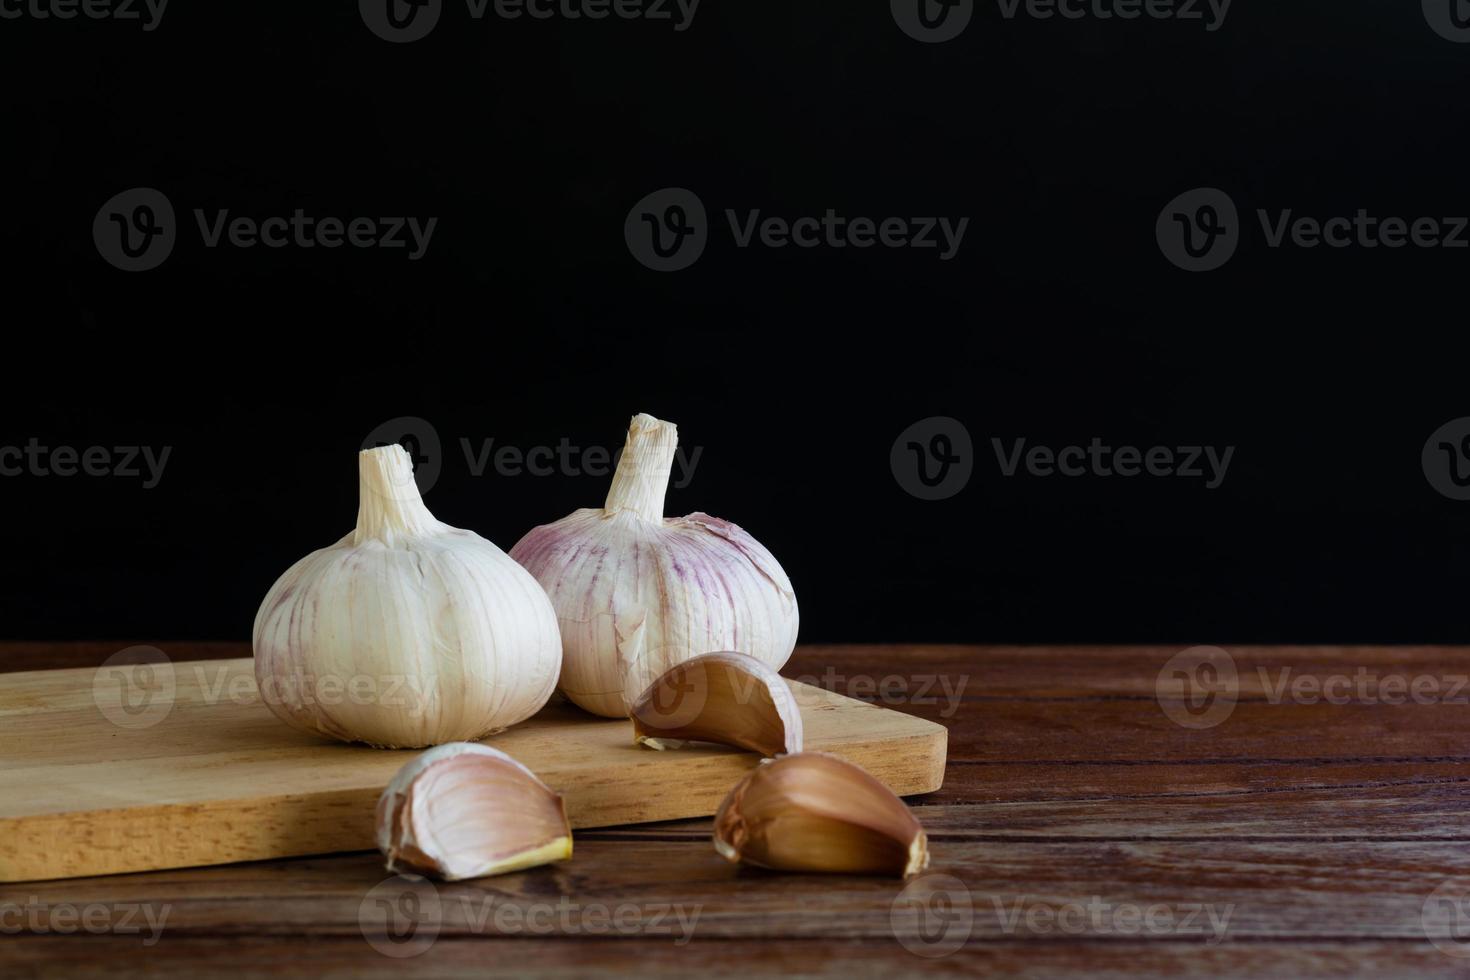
{"x": 407, "y": 632}
{"x": 636, "y": 593}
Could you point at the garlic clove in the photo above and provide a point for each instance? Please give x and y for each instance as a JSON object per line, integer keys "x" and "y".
{"x": 468, "y": 811}
{"x": 816, "y": 812}
{"x": 729, "y": 698}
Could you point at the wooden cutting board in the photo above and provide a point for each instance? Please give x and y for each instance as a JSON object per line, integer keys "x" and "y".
{"x": 179, "y": 764}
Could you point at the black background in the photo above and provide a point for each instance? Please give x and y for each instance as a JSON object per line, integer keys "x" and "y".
{"x": 795, "y": 370}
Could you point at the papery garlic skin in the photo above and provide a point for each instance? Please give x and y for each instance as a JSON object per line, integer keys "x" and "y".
{"x": 464, "y": 810}
{"x": 816, "y": 812}
{"x": 407, "y": 632}
{"x": 727, "y": 698}
{"x": 636, "y": 593}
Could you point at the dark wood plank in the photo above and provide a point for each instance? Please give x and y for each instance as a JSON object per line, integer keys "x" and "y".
{"x": 985, "y": 673}
{"x": 1387, "y": 813}
{"x": 288, "y": 957}
{"x": 1323, "y": 828}
{"x": 993, "y": 781}
{"x": 1295, "y": 888}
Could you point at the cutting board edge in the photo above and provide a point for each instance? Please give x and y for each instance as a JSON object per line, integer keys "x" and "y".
{"x": 906, "y": 753}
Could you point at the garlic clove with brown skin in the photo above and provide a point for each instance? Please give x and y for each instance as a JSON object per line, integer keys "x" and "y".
{"x": 636, "y": 593}
{"x": 464, "y": 810}
{"x": 816, "y": 812}
{"x": 729, "y": 698}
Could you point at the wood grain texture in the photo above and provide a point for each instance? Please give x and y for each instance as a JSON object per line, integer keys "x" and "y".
{"x": 1324, "y": 829}
{"x": 211, "y": 776}
{"x": 555, "y": 959}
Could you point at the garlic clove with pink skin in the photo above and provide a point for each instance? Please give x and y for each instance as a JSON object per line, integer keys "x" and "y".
{"x": 636, "y": 593}
{"x": 407, "y": 632}
{"x": 469, "y": 811}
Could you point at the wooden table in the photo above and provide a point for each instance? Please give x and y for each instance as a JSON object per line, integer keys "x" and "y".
{"x": 1282, "y": 834}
